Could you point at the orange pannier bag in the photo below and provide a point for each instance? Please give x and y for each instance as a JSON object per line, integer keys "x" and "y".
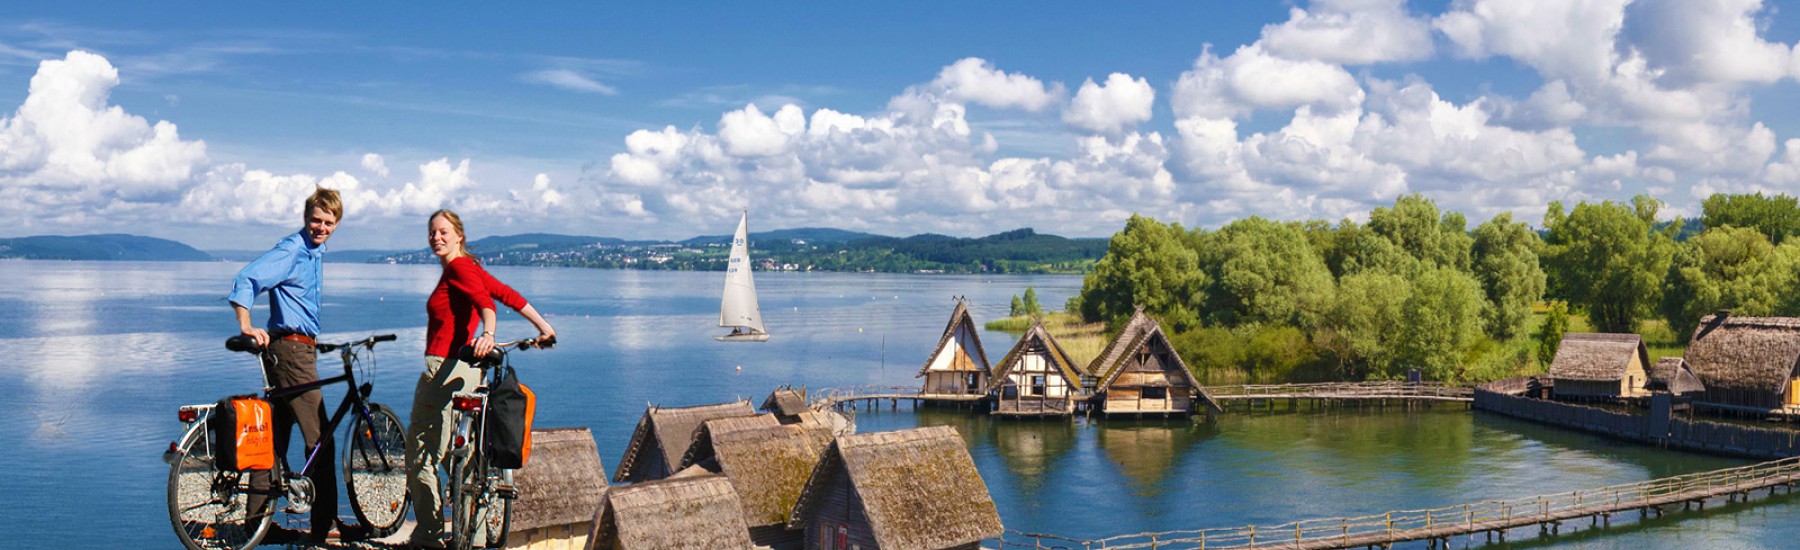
{"x": 243, "y": 430}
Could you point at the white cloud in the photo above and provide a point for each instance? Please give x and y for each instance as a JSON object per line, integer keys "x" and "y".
{"x": 1715, "y": 41}
{"x": 1251, "y": 79}
{"x": 568, "y": 80}
{"x": 1121, "y": 103}
{"x": 375, "y": 164}
{"x": 748, "y": 132}
{"x": 974, "y": 80}
{"x": 66, "y": 138}
{"x": 1350, "y": 32}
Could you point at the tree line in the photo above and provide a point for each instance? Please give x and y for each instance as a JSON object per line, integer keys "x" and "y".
{"x": 1414, "y": 287}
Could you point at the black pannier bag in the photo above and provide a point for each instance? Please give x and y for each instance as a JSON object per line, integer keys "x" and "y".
{"x": 511, "y": 406}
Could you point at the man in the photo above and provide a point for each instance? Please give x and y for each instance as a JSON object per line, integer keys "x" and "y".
{"x": 291, "y": 274}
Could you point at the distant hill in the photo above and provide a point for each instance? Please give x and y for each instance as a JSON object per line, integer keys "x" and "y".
{"x": 502, "y": 243}
{"x": 331, "y": 256}
{"x": 811, "y": 235}
{"x": 100, "y": 247}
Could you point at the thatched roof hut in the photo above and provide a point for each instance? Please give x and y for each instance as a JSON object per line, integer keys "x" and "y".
{"x": 685, "y": 513}
{"x": 1600, "y": 364}
{"x": 1673, "y": 375}
{"x": 786, "y": 403}
{"x": 663, "y": 436}
{"x": 915, "y": 489}
{"x": 959, "y": 364}
{"x": 563, "y": 481}
{"x": 1140, "y": 371}
{"x": 1035, "y": 377}
{"x": 1748, "y": 361}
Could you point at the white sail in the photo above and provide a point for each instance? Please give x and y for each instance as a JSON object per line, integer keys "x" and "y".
{"x": 738, "y": 307}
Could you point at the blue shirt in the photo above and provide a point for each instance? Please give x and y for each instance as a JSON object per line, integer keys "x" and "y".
{"x": 291, "y": 273}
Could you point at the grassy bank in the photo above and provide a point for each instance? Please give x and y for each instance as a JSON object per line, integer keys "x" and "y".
{"x": 1082, "y": 341}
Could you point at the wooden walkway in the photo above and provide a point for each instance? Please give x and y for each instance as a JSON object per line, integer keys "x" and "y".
{"x": 833, "y": 398}
{"x": 1491, "y": 518}
{"x": 1423, "y": 391}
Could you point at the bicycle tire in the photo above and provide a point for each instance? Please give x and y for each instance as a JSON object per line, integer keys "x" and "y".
{"x": 467, "y": 477}
{"x": 374, "y": 465}
{"x": 207, "y": 507}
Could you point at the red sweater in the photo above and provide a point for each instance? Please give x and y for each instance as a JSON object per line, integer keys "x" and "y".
{"x": 454, "y": 308}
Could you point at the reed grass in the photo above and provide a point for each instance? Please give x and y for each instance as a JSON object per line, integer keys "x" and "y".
{"x": 1082, "y": 341}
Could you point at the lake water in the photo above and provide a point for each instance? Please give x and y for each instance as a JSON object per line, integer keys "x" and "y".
{"x": 99, "y": 356}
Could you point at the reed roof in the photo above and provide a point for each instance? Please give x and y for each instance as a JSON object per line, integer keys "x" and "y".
{"x": 701, "y": 449}
{"x": 919, "y": 488}
{"x": 769, "y": 466}
{"x": 686, "y": 513}
{"x": 670, "y": 430}
{"x": 1745, "y": 353}
{"x": 785, "y": 401}
{"x": 1034, "y": 337}
{"x": 562, "y": 483}
{"x": 1598, "y": 357}
{"x": 959, "y": 317}
{"x": 1673, "y": 375}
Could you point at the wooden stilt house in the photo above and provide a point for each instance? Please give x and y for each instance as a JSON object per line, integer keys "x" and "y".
{"x": 559, "y": 489}
{"x": 1749, "y": 362}
{"x": 786, "y": 403}
{"x": 911, "y": 489}
{"x": 1600, "y": 365}
{"x": 1139, "y": 373}
{"x": 768, "y": 465}
{"x": 959, "y": 365}
{"x": 663, "y": 436}
{"x": 681, "y": 513}
{"x": 1036, "y": 378}
{"x": 1672, "y": 374}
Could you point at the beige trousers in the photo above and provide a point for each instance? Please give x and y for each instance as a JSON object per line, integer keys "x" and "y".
{"x": 428, "y": 438}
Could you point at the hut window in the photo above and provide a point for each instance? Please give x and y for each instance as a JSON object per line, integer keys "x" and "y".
{"x": 843, "y": 537}
{"x": 1037, "y": 384}
{"x": 1156, "y": 393}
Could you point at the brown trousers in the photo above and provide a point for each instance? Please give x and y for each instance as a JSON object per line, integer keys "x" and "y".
{"x": 291, "y": 364}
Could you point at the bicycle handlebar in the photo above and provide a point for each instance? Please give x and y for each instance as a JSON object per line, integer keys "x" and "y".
{"x": 467, "y": 354}
{"x": 245, "y": 343}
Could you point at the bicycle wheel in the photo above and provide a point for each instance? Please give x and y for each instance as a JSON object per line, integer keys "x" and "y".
{"x": 375, "y": 470}
{"x": 479, "y": 517}
{"x": 209, "y": 508}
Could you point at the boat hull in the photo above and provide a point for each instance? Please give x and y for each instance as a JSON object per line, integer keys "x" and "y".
{"x": 760, "y": 337}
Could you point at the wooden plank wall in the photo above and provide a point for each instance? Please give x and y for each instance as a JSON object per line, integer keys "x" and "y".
{"x": 1732, "y": 439}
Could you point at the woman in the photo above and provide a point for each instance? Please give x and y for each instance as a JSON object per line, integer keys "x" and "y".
{"x": 462, "y": 303}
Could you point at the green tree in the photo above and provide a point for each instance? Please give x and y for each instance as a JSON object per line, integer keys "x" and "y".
{"x": 1550, "y": 334}
{"x": 1726, "y": 267}
{"x": 1505, "y": 260}
{"x": 1442, "y": 318}
{"x": 1264, "y": 272}
{"x": 1030, "y": 303}
{"x": 1776, "y": 217}
{"x": 1146, "y": 264}
{"x": 1606, "y": 259}
{"x": 1360, "y": 329}
{"x": 1018, "y": 307}
{"x": 1416, "y": 226}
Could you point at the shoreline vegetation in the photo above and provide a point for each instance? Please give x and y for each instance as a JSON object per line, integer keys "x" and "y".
{"x": 1412, "y": 287}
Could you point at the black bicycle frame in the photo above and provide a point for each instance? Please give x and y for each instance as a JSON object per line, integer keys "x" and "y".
{"x": 355, "y": 395}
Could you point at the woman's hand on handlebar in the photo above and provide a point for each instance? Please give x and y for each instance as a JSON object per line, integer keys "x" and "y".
{"x": 546, "y": 338}
{"x": 483, "y": 344}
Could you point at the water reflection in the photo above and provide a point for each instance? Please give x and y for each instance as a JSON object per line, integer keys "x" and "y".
{"x": 1145, "y": 451}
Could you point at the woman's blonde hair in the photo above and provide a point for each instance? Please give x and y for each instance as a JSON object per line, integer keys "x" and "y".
{"x": 462, "y": 246}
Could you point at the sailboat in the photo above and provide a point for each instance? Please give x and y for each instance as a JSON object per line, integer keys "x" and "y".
{"x": 738, "y": 308}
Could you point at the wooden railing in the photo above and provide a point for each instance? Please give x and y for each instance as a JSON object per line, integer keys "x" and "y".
{"x": 1345, "y": 390}
{"x": 1436, "y": 523}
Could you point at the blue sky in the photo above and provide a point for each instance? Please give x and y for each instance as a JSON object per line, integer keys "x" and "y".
{"x": 208, "y": 123}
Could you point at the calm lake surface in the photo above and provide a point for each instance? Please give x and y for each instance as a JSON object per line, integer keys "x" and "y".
{"x": 99, "y": 355}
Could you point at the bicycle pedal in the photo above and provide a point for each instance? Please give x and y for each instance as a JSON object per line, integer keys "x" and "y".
{"x": 507, "y": 492}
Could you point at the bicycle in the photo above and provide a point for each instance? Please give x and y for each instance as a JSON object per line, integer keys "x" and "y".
{"x": 209, "y": 508}
{"x": 480, "y": 494}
